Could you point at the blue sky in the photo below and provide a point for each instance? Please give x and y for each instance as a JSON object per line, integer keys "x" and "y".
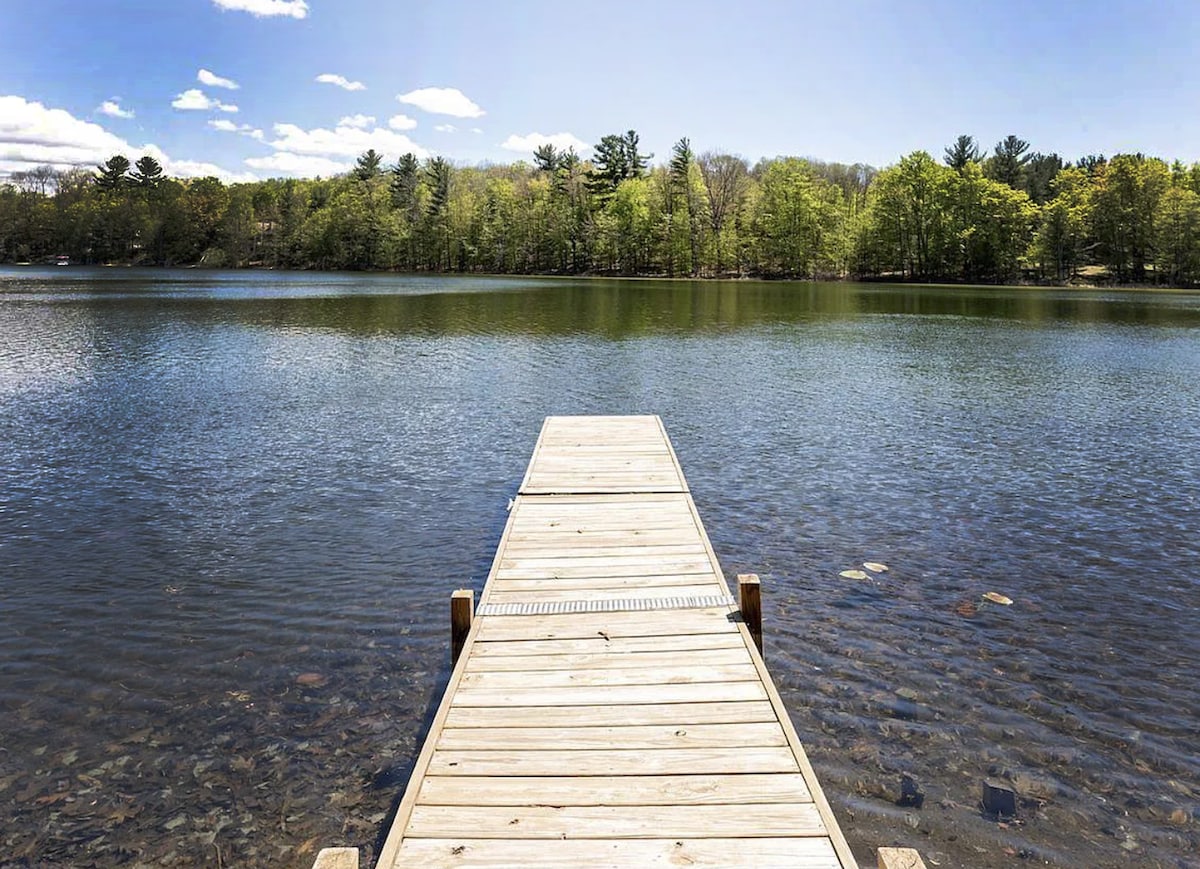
{"x": 852, "y": 81}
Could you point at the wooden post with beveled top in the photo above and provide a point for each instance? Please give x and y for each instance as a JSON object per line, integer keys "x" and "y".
{"x": 337, "y": 858}
{"x": 462, "y": 611}
{"x": 750, "y": 604}
{"x": 900, "y": 858}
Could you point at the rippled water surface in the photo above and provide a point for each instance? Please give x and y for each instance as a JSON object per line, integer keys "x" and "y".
{"x": 233, "y": 506}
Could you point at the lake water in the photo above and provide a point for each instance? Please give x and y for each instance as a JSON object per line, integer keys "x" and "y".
{"x": 212, "y": 484}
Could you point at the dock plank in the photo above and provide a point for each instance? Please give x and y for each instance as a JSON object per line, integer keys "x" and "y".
{"x": 615, "y": 790}
{"x": 625, "y": 736}
{"x": 604, "y": 660}
{"x": 582, "y": 715}
{"x": 659, "y": 853}
{"x": 615, "y": 761}
{"x": 613, "y": 822}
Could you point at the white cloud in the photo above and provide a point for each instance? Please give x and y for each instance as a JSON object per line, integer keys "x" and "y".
{"x": 446, "y": 128}
{"x": 226, "y": 126}
{"x": 442, "y": 101}
{"x": 192, "y": 99}
{"x": 33, "y": 135}
{"x": 359, "y": 122}
{"x": 476, "y": 130}
{"x": 196, "y": 100}
{"x": 213, "y": 80}
{"x": 341, "y": 81}
{"x": 401, "y": 122}
{"x": 342, "y": 142}
{"x": 266, "y": 8}
{"x": 533, "y": 141}
{"x": 113, "y": 109}
{"x": 287, "y": 163}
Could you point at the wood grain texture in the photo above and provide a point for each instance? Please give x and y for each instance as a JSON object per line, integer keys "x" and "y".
{"x": 615, "y": 790}
{"x": 605, "y": 737}
{"x": 615, "y": 761}
{"x": 899, "y": 858}
{"x": 661, "y": 853}
{"x": 734, "y": 712}
{"x": 613, "y": 822}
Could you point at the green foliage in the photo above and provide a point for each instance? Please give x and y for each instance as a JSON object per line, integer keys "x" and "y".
{"x": 369, "y": 165}
{"x": 1177, "y": 246}
{"x": 1040, "y": 172}
{"x": 1061, "y": 239}
{"x": 1125, "y": 201}
{"x": 1007, "y": 163}
{"x": 616, "y": 159}
{"x": 111, "y": 175}
{"x": 149, "y": 173}
{"x": 933, "y": 222}
{"x": 796, "y": 219}
{"x": 1017, "y": 215}
{"x": 963, "y": 152}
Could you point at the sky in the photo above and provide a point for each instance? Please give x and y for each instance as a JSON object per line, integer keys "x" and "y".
{"x": 251, "y": 89}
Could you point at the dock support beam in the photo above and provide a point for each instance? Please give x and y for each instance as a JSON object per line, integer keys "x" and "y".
{"x": 462, "y": 611}
{"x": 900, "y": 858}
{"x": 750, "y": 603}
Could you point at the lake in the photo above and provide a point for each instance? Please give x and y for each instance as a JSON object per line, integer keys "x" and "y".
{"x": 233, "y": 506}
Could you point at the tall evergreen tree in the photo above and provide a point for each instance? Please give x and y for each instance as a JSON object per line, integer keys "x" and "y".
{"x": 1008, "y": 160}
{"x": 1040, "y": 172}
{"x": 406, "y": 175}
{"x": 112, "y": 173}
{"x": 368, "y": 165}
{"x": 616, "y": 158}
{"x": 149, "y": 173}
{"x": 546, "y": 158}
{"x": 963, "y": 151}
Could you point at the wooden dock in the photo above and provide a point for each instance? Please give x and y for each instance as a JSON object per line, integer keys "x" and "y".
{"x": 610, "y": 707}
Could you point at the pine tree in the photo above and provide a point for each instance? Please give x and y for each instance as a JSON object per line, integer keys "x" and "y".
{"x": 112, "y": 173}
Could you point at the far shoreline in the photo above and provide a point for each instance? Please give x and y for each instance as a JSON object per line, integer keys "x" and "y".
{"x": 700, "y": 279}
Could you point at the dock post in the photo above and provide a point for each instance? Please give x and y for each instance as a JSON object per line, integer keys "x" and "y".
{"x": 462, "y": 611}
{"x": 337, "y": 858}
{"x": 900, "y": 858}
{"x": 750, "y": 603}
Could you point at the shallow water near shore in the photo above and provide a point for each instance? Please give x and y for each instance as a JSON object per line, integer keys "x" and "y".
{"x": 233, "y": 506}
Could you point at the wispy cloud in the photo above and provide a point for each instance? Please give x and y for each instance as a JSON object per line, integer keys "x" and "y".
{"x": 266, "y": 8}
{"x": 194, "y": 99}
{"x": 213, "y": 80}
{"x": 533, "y": 141}
{"x": 401, "y": 122}
{"x": 113, "y": 109}
{"x": 341, "y": 81}
{"x": 442, "y": 101}
{"x": 226, "y": 126}
{"x": 342, "y": 142}
{"x": 32, "y": 135}
{"x": 358, "y": 122}
{"x": 446, "y": 128}
{"x": 285, "y": 163}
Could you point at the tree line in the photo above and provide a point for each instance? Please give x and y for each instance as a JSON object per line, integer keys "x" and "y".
{"x": 1006, "y": 215}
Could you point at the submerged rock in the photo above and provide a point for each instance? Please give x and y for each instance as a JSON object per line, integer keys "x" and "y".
{"x": 999, "y": 800}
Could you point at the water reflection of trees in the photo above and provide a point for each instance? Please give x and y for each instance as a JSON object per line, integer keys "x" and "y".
{"x": 620, "y": 309}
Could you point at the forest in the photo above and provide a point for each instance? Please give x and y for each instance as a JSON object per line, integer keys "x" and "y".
{"x": 1001, "y": 216}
